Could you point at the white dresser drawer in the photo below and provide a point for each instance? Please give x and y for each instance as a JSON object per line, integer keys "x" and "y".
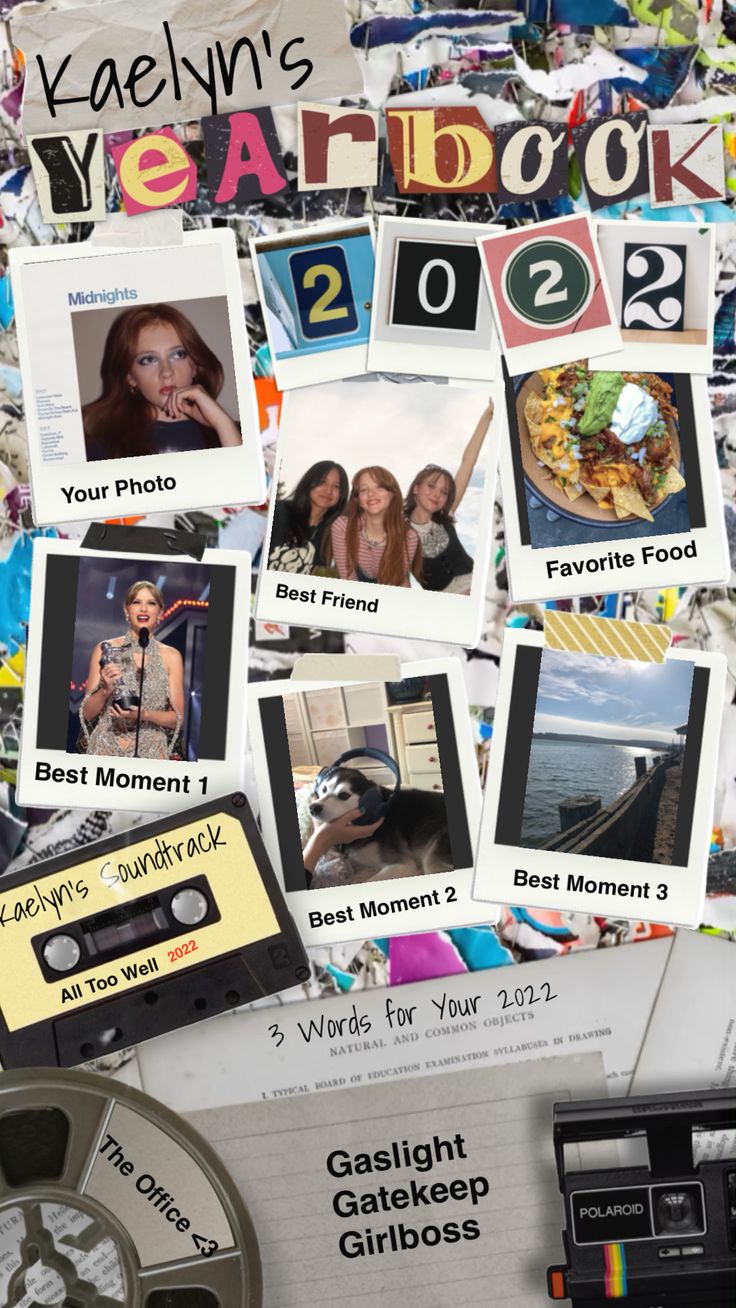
{"x": 423, "y": 758}
{"x": 426, "y": 780}
{"x": 419, "y": 726}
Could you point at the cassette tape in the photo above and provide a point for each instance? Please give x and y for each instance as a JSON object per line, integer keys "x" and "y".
{"x": 654, "y": 1233}
{"x": 142, "y": 933}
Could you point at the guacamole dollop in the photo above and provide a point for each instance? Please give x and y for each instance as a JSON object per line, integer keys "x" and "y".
{"x": 603, "y": 394}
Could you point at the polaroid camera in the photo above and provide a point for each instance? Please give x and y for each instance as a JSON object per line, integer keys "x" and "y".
{"x": 655, "y": 1235}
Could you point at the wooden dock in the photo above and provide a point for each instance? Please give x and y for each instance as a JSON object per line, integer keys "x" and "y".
{"x": 639, "y": 824}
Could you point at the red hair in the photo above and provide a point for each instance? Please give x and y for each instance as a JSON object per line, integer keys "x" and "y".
{"x": 393, "y": 566}
{"x": 119, "y": 422}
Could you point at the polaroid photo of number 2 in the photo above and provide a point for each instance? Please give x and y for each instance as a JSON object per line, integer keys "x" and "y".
{"x": 662, "y": 278}
{"x": 316, "y": 290}
{"x": 431, "y": 309}
{"x": 549, "y": 293}
{"x": 137, "y": 378}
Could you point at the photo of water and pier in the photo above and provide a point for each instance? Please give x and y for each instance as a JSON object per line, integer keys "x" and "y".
{"x": 605, "y": 765}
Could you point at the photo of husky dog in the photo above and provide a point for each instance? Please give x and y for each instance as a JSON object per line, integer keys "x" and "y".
{"x": 412, "y": 840}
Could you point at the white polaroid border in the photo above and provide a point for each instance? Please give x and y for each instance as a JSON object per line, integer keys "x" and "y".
{"x": 471, "y": 355}
{"x": 334, "y": 914}
{"x": 662, "y": 350}
{"x": 332, "y": 604}
{"x": 137, "y": 785}
{"x": 319, "y": 365}
{"x": 549, "y": 351}
{"x": 580, "y": 883}
{"x": 153, "y": 483}
{"x": 699, "y": 556}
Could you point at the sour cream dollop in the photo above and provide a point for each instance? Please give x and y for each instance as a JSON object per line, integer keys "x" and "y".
{"x": 634, "y": 414}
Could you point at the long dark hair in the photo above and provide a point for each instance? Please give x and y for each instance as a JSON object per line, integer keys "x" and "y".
{"x": 443, "y": 516}
{"x": 299, "y": 504}
{"x": 392, "y": 568}
{"x": 119, "y": 422}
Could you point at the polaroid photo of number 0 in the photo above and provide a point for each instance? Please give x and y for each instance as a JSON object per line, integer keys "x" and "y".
{"x": 135, "y": 678}
{"x": 601, "y": 781}
{"x": 370, "y": 801}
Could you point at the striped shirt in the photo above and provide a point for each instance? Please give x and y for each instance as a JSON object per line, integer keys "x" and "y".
{"x": 369, "y": 556}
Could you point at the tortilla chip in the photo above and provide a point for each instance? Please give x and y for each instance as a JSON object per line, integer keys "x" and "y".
{"x": 673, "y": 482}
{"x": 628, "y": 500}
{"x": 598, "y": 493}
{"x": 534, "y": 414}
{"x": 573, "y": 492}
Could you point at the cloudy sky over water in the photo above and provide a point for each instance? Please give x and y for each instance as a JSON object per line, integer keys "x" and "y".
{"x": 618, "y": 699}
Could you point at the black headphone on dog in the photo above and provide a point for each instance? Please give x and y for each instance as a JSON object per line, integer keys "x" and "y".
{"x": 371, "y": 804}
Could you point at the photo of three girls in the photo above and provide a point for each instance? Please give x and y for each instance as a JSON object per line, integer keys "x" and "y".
{"x": 368, "y": 530}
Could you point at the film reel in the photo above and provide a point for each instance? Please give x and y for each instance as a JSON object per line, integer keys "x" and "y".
{"x": 108, "y": 1199}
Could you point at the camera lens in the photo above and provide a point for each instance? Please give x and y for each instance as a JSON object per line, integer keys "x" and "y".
{"x": 677, "y": 1212}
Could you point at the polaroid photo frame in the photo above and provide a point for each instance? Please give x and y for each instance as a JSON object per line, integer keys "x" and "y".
{"x": 193, "y": 690}
{"x": 90, "y": 391}
{"x": 662, "y": 279}
{"x": 576, "y": 745}
{"x": 316, "y": 289}
{"x": 418, "y": 737}
{"x": 403, "y": 429}
{"x": 549, "y": 293}
{"x": 431, "y": 310}
{"x": 559, "y": 546}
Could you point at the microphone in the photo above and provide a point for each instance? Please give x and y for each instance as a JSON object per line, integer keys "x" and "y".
{"x": 144, "y": 637}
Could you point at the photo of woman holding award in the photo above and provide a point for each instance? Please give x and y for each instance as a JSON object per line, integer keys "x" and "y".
{"x": 160, "y": 386}
{"x": 300, "y": 533}
{"x": 373, "y": 541}
{"x": 131, "y": 707}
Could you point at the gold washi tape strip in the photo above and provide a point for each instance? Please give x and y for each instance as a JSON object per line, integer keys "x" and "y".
{"x": 579, "y": 633}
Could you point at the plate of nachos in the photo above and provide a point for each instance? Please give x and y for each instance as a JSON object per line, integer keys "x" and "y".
{"x": 605, "y": 442}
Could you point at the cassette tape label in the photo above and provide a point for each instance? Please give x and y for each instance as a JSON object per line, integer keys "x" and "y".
{"x": 112, "y": 923}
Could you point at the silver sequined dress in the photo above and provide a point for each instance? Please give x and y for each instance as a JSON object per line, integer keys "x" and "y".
{"x": 108, "y": 735}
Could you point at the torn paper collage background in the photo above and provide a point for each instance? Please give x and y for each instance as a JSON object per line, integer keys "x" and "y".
{"x": 677, "y": 61}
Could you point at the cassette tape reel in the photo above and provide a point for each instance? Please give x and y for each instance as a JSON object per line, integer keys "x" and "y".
{"x": 164, "y": 925}
{"x": 108, "y": 1200}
